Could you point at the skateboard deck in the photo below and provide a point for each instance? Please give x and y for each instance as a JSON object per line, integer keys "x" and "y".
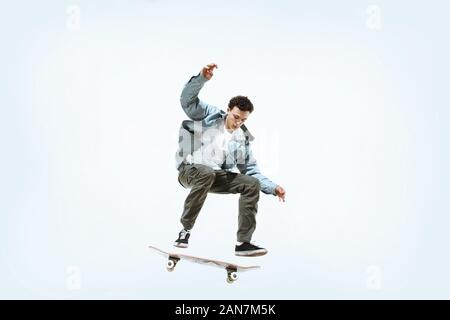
{"x": 231, "y": 268}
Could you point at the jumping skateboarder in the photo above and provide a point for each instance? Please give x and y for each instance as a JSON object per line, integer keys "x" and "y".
{"x": 214, "y": 156}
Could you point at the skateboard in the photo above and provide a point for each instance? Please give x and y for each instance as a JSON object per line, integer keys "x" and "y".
{"x": 231, "y": 268}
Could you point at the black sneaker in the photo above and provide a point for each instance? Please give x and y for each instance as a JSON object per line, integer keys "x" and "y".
{"x": 247, "y": 249}
{"x": 183, "y": 239}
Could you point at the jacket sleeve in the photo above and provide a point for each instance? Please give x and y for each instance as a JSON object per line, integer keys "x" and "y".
{"x": 250, "y": 167}
{"x": 194, "y": 108}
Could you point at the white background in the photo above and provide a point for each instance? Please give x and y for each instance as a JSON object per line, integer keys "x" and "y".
{"x": 351, "y": 114}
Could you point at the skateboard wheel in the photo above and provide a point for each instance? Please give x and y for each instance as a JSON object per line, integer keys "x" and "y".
{"x": 232, "y": 277}
{"x": 170, "y": 265}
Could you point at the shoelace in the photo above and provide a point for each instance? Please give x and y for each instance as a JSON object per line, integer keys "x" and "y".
{"x": 183, "y": 234}
{"x": 254, "y": 244}
{"x": 251, "y": 243}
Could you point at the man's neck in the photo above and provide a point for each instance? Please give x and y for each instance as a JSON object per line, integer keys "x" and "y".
{"x": 230, "y": 130}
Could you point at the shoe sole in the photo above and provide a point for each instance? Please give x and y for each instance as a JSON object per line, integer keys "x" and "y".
{"x": 180, "y": 245}
{"x": 255, "y": 253}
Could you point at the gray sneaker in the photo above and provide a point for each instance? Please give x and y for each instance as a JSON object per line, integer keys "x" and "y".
{"x": 247, "y": 249}
{"x": 183, "y": 239}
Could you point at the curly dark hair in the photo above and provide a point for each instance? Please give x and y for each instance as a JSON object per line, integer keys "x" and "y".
{"x": 243, "y": 103}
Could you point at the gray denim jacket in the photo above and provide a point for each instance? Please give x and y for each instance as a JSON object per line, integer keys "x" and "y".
{"x": 207, "y": 117}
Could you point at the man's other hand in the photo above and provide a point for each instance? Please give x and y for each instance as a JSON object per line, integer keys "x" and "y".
{"x": 280, "y": 193}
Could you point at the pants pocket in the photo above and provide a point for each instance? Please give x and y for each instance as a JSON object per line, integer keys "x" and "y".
{"x": 186, "y": 175}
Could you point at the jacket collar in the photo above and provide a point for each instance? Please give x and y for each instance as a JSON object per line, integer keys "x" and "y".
{"x": 189, "y": 126}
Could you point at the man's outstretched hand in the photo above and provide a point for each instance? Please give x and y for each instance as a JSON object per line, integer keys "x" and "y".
{"x": 280, "y": 193}
{"x": 207, "y": 71}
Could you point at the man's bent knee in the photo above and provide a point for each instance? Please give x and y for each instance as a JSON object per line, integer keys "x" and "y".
{"x": 252, "y": 185}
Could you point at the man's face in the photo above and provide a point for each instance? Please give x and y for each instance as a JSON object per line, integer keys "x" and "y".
{"x": 236, "y": 118}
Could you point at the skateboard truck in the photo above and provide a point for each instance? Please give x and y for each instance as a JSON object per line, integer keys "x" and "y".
{"x": 172, "y": 263}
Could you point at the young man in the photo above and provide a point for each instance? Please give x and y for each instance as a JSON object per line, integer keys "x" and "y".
{"x": 214, "y": 155}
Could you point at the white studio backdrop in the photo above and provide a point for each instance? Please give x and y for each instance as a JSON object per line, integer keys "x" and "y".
{"x": 350, "y": 118}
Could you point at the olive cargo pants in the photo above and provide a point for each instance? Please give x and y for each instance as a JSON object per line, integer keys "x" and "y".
{"x": 203, "y": 179}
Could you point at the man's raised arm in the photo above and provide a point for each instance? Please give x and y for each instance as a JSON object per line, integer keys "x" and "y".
{"x": 193, "y": 107}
